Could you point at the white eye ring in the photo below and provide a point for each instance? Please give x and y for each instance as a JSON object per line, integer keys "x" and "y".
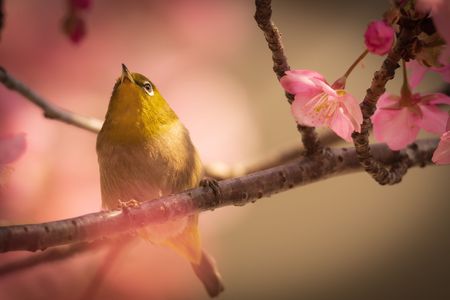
{"x": 148, "y": 88}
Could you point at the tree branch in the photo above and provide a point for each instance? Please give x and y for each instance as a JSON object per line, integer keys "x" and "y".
{"x": 236, "y": 191}
{"x": 51, "y": 255}
{"x": 50, "y": 110}
{"x": 263, "y": 16}
{"x": 402, "y": 49}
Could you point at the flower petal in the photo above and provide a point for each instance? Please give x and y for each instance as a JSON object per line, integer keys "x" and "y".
{"x": 388, "y": 101}
{"x": 436, "y": 98}
{"x": 352, "y": 110}
{"x": 342, "y": 125}
{"x": 417, "y": 72}
{"x": 379, "y": 37}
{"x": 397, "y": 128}
{"x": 325, "y": 87}
{"x": 310, "y": 112}
{"x": 299, "y": 81}
{"x": 298, "y": 111}
{"x": 441, "y": 155}
{"x": 433, "y": 119}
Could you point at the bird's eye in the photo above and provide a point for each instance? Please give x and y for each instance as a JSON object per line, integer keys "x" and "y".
{"x": 148, "y": 88}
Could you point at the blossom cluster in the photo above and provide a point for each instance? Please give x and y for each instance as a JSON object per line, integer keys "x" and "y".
{"x": 398, "y": 119}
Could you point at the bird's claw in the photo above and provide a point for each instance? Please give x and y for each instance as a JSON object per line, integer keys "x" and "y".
{"x": 128, "y": 204}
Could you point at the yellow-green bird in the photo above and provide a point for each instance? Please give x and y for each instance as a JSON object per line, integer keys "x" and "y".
{"x": 145, "y": 152}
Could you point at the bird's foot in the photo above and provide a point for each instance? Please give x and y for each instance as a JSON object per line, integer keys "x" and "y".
{"x": 213, "y": 184}
{"x": 128, "y": 204}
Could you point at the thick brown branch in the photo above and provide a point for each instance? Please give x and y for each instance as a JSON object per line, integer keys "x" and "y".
{"x": 50, "y": 110}
{"x": 377, "y": 170}
{"x": 263, "y": 16}
{"x": 237, "y": 191}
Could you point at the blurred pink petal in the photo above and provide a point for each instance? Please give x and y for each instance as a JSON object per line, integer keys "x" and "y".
{"x": 81, "y": 4}
{"x": 11, "y": 148}
{"x": 75, "y": 28}
{"x": 301, "y": 82}
{"x": 418, "y": 71}
{"x": 433, "y": 119}
{"x": 397, "y": 120}
{"x": 379, "y": 37}
{"x": 318, "y": 104}
{"x": 396, "y": 127}
{"x": 441, "y": 155}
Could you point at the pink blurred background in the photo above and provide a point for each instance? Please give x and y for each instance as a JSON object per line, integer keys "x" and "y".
{"x": 343, "y": 238}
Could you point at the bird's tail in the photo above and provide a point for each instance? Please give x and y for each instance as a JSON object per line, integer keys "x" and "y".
{"x": 206, "y": 271}
{"x": 188, "y": 244}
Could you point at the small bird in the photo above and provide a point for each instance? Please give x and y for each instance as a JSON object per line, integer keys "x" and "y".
{"x": 145, "y": 152}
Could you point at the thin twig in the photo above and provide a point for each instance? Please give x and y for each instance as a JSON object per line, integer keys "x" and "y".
{"x": 402, "y": 49}
{"x": 107, "y": 263}
{"x": 51, "y": 255}
{"x": 236, "y": 191}
{"x": 263, "y": 16}
{"x": 50, "y": 110}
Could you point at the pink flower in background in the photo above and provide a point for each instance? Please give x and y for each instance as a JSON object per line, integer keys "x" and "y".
{"x": 11, "y": 148}
{"x": 441, "y": 155}
{"x": 418, "y": 72}
{"x": 379, "y": 37}
{"x": 81, "y": 4}
{"x": 319, "y": 104}
{"x": 397, "y": 120}
{"x": 75, "y": 28}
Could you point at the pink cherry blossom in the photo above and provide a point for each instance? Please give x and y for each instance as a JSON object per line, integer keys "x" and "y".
{"x": 379, "y": 37}
{"x": 441, "y": 155}
{"x": 11, "y": 148}
{"x": 418, "y": 71}
{"x": 319, "y": 104}
{"x": 397, "y": 120}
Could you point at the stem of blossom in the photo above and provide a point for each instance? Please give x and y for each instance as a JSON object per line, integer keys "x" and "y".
{"x": 405, "y": 91}
{"x": 357, "y": 61}
{"x": 51, "y": 111}
{"x": 341, "y": 81}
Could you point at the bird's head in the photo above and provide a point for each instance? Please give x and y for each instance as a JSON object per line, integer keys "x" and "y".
{"x": 136, "y": 102}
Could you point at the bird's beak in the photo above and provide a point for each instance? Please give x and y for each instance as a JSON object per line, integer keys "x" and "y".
{"x": 126, "y": 74}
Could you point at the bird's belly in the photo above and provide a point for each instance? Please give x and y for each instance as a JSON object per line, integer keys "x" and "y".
{"x": 122, "y": 180}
